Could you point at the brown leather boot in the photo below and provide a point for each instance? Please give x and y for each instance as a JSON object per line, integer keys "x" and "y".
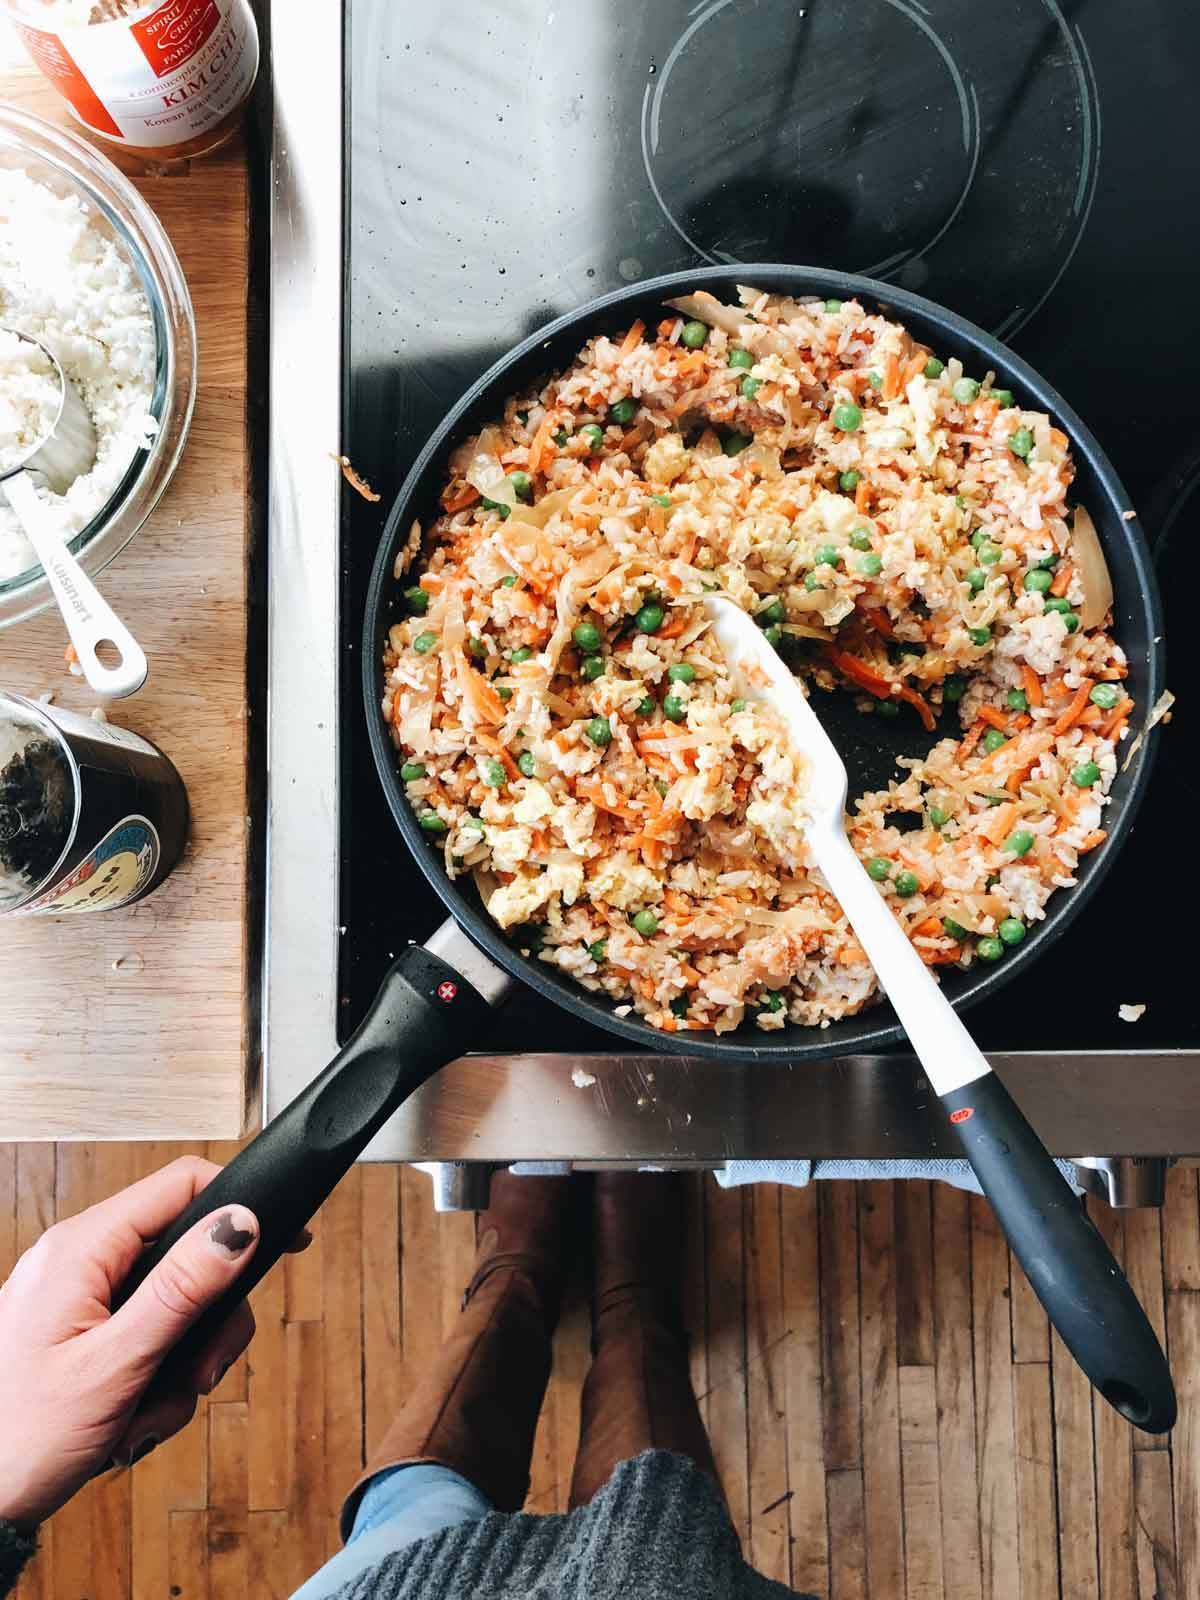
{"x": 476, "y": 1409}
{"x": 638, "y": 1395}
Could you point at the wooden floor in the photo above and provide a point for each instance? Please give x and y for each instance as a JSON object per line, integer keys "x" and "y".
{"x": 891, "y": 1418}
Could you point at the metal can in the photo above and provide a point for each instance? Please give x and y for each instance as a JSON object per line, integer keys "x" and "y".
{"x": 92, "y": 817}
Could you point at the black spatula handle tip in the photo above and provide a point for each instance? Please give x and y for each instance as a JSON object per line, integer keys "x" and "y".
{"x": 1068, "y": 1264}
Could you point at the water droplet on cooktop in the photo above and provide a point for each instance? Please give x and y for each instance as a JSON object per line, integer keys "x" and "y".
{"x": 953, "y": 148}
{"x": 630, "y": 269}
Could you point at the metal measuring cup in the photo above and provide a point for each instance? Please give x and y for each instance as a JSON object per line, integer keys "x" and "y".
{"x": 67, "y": 450}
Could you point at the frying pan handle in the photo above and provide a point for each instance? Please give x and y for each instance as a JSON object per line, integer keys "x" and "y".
{"x": 424, "y": 1015}
{"x": 1084, "y": 1292}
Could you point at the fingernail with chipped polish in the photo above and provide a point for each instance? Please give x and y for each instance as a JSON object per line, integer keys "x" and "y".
{"x": 234, "y": 1231}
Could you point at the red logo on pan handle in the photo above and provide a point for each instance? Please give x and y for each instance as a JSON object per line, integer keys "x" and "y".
{"x": 447, "y": 991}
{"x": 963, "y": 1114}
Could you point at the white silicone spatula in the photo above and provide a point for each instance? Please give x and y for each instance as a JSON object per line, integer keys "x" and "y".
{"x": 1070, "y": 1266}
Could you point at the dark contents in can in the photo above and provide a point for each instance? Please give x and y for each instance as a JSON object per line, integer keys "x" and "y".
{"x": 37, "y": 805}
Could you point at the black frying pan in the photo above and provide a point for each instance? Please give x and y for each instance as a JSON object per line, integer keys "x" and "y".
{"x": 434, "y": 1002}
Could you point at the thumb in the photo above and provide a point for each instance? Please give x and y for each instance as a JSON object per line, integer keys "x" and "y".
{"x": 189, "y": 1279}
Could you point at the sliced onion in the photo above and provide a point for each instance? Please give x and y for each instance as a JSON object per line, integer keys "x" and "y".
{"x": 539, "y": 515}
{"x": 705, "y": 307}
{"x": 485, "y": 473}
{"x": 1093, "y": 571}
{"x": 1160, "y": 709}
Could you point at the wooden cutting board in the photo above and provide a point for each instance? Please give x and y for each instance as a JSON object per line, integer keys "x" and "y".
{"x": 139, "y": 1024}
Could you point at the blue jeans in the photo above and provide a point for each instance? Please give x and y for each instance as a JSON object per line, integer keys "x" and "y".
{"x": 399, "y": 1506}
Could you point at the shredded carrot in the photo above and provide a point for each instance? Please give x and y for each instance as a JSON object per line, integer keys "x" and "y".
{"x": 973, "y": 735}
{"x": 1090, "y": 718}
{"x": 859, "y": 672}
{"x": 431, "y": 583}
{"x": 693, "y": 362}
{"x": 999, "y": 824}
{"x": 687, "y": 549}
{"x": 878, "y": 619}
{"x": 920, "y": 705}
{"x": 676, "y": 902}
{"x": 1077, "y": 706}
{"x": 915, "y": 368}
{"x": 1062, "y": 579}
{"x": 631, "y": 340}
{"x": 1093, "y": 839}
{"x": 490, "y": 742}
{"x": 1115, "y": 718}
{"x": 994, "y": 717}
{"x": 665, "y": 327}
{"x": 540, "y": 840}
{"x": 1059, "y": 438}
{"x": 540, "y": 440}
{"x": 674, "y": 584}
{"x": 664, "y": 823}
{"x": 465, "y": 497}
{"x": 930, "y": 926}
{"x": 1033, "y": 685}
{"x": 940, "y": 958}
{"x": 689, "y": 972}
{"x": 594, "y": 791}
{"x": 862, "y": 496}
{"x": 891, "y": 376}
{"x": 672, "y": 628}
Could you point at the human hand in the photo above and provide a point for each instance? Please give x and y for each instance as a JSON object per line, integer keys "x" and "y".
{"x": 74, "y": 1373}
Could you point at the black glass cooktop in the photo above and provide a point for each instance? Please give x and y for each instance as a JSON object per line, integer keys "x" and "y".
{"x": 1029, "y": 165}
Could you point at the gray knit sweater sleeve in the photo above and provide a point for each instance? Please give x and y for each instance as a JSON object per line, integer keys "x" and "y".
{"x": 656, "y": 1530}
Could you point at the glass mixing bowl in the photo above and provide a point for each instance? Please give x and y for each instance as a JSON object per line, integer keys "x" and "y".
{"x": 68, "y": 165}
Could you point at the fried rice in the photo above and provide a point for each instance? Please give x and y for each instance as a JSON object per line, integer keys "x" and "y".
{"x": 570, "y": 733}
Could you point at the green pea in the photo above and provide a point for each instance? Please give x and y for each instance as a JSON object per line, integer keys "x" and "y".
{"x": 833, "y": 305}
{"x": 737, "y": 705}
{"x": 504, "y": 692}
{"x": 887, "y": 708}
{"x": 1048, "y": 563}
{"x": 493, "y": 773}
{"x": 477, "y": 648}
{"x": 412, "y": 771}
{"x": 591, "y": 669}
{"x": 1004, "y": 397}
{"x": 849, "y": 481}
{"x": 934, "y": 368}
{"x": 418, "y": 600}
{"x": 1020, "y": 442}
{"x": 860, "y": 538}
{"x": 979, "y": 635}
{"x": 989, "y": 949}
{"x": 593, "y": 433}
{"x": 645, "y": 706}
{"x": 673, "y": 708}
{"x": 694, "y": 334}
{"x": 599, "y": 731}
{"x": 773, "y": 635}
{"x": 773, "y": 611}
{"x": 976, "y": 578}
{"x": 1011, "y": 930}
{"x": 879, "y": 868}
{"x": 497, "y": 506}
{"x": 738, "y": 357}
{"x": 988, "y": 553}
{"x": 772, "y": 1001}
{"x": 953, "y": 689}
{"x": 649, "y": 618}
{"x": 526, "y": 764}
{"x": 587, "y": 636}
{"x": 875, "y": 379}
{"x": 827, "y": 555}
{"x": 750, "y": 387}
{"x": 681, "y": 672}
{"x": 424, "y": 643}
{"x": 661, "y": 785}
{"x": 906, "y": 884}
{"x": 1105, "y": 695}
{"x": 1017, "y": 700}
{"x": 939, "y": 816}
{"x": 735, "y": 443}
{"x": 1038, "y": 581}
{"x": 710, "y": 588}
{"x": 870, "y": 565}
{"x": 646, "y": 923}
{"x": 430, "y": 822}
{"x": 1085, "y": 775}
{"x": 978, "y": 537}
{"x": 476, "y": 824}
{"x": 812, "y": 583}
{"x": 1019, "y": 842}
{"x": 954, "y": 929}
{"x": 960, "y": 500}
{"x": 993, "y": 739}
{"x": 663, "y": 500}
{"x": 965, "y": 391}
{"x": 508, "y": 581}
{"x": 522, "y": 485}
{"x": 599, "y": 950}
{"x": 521, "y": 653}
{"x": 624, "y": 411}
{"x": 847, "y": 418}
{"x": 561, "y": 437}
{"x": 1063, "y": 607}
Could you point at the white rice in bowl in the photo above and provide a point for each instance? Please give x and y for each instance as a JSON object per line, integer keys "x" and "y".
{"x": 570, "y": 734}
{"x": 67, "y": 282}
